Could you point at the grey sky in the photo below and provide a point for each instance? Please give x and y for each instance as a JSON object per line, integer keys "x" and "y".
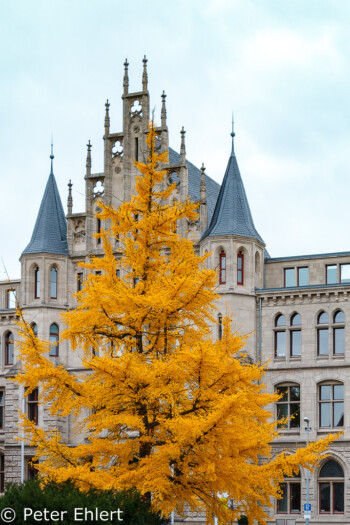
{"x": 283, "y": 67}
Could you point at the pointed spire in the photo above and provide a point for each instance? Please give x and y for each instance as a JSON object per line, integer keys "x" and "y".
{"x": 107, "y": 121}
{"x": 70, "y": 198}
{"x": 183, "y": 148}
{"x": 144, "y": 74}
{"x": 163, "y": 112}
{"x": 126, "y": 77}
{"x": 52, "y": 155}
{"x": 232, "y": 215}
{"x": 203, "y": 193}
{"x": 50, "y": 230}
{"x": 233, "y": 136}
{"x": 88, "y": 159}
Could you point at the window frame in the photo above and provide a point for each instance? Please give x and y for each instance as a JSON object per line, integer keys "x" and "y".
{"x": 287, "y": 483}
{"x": 332, "y": 401}
{"x": 9, "y": 350}
{"x": 336, "y": 326}
{"x": 37, "y": 282}
{"x": 240, "y": 271}
{"x": 293, "y": 328}
{"x": 287, "y": 426}
{"x": 298, "y": 277}
{"x": 284, "y": 276}
{"x": 33, "y": 406}
{"x": 53, "y": 283}
{"x": 277, "y": 330}
{"x": 322, "y": 327}
{"x": 332, "y": 481}
{"x": 222, "y": 269}
{"x": 337, "y": 273}
{"x": 8, "y": 301}
{"x": 54, "y": 345}
{"x": 80, "y": 278}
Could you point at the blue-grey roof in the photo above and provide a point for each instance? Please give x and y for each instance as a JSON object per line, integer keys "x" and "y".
{"x": 194, "y": 180}
{"x": 50, "y": 230}
{"x": 232, "y": 214}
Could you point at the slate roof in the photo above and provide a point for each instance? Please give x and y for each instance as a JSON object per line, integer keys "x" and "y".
{"x": 50, "y": 230}
{"x": 232, "y": 214}
{"x": 194, "y": 180}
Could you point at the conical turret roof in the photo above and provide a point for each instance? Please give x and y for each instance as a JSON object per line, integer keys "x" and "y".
{"x": 232, "y": 215}
{"x": 50, "y": 230}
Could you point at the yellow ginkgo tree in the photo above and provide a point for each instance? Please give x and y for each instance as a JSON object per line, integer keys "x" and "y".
{"x": 159, "y": 403}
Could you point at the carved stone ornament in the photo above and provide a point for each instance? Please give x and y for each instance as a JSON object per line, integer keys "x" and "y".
{"x": 117, "y": 149}
{"x": 117, "y": 169}
{"x": 98, "y": 188}
{"x": 136, "y": 129}
{"x": 135, "y": 109}
{"x": 79, "y": 231}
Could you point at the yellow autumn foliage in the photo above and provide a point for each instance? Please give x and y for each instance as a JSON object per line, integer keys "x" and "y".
{"x": 161, "y": 406}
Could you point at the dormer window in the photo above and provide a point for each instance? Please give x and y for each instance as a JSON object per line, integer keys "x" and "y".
{"x": 37, "y": 283}
{"x": 240, "y": 268}
{"x": 222, "y": 268}
{"x": 53, "y": 283}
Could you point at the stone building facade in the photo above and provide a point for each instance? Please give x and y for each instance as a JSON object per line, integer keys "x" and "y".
{"x": 296, "y": 309}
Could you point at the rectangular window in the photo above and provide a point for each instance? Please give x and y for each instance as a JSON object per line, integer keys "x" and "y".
{"x": 303, "y": 276}
{"x": 222, "y": 268}
{"x": 322, "y": 341}
{"x": 331, "y": 274}
{"x": 295, "y": 343}
{"x": 79, "y": 281}
{"x": 291, "y": 499}
{"x": 136, "y": 148}
{"x": 10, "y": 299}
{"x": 32, "y": 403}
{"x": 289, "y": 277}
{"x": 280, "y": 344}
{"x": 288, "y": 406}
{"x": 2, "y": 407}
{"x": 331, "y": 406}
{"x": 32, "y": 470}
{"x": 345, "y": 273}
{"x": 338, "y": 341}
{"x": 240, "y": 268}
{"x": 98, "y": 230}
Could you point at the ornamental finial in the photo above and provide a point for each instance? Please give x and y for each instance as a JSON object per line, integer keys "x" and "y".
{"x": 144, "y": 74}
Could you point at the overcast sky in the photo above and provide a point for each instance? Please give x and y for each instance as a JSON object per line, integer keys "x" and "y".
{"x": 282, "y": 66}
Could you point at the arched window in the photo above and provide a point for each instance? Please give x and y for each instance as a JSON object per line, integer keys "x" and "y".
{"x": 53, "y": 283}
{"x": 280, "y": 336}
{"x": 288, "y": 406}
{"x": 36, "y": 283}
{"x": 34, "y": 327}
{"x": 219, "y": 327}
{"x": 290, "y": 503}
{"x": 9, "y": 348}
{"x": 322, "y": 334}
{"x": 295, "y": 335}
{"x": 331, "y": 405}
{"x": 222, "y": 268}
{"x": 331, "y": 488}
{"x": 54, "y": 336}
{"x": 338, "y": 333}
{"x": 240, "y": 268}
